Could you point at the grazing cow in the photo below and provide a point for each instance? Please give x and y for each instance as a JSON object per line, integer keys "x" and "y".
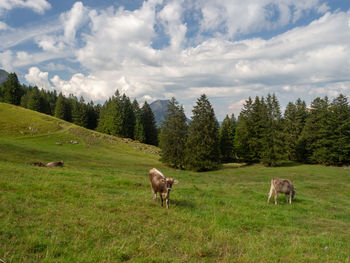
{"x": 55, "y": 164}
{"x": 160, "y": 184}
{"x": 283, "y": 186}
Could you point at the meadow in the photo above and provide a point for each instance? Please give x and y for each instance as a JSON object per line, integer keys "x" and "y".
{"x": 99, "y": 207}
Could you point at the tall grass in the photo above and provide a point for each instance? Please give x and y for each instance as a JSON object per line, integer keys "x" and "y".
{"x": 99, "y": 208}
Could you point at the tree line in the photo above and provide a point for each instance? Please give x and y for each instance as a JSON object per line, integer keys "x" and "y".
{"x": 261, "y": 134}
{"x": 117, "y": 116}
{"x": 319, "y": 134}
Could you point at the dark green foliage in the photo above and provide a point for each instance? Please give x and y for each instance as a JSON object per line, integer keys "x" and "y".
{"x": 138, "y": 128}
{"x": 259, "y": 132}
{"x": 226, "y": 138}
{"x": 340, "y": 135}
{"x": 173, "y": 135}
{"x": 149, "y": 125}
{"x": 203, "y": 150}
{"x": 316, "y": 136}
{"x": 35, "y": 101}
{"x": 11, "y": 91}
{"x": 272, "y": 142}
{"x": 111, "y": 116}
{"x": 63, "y": 109}
{"x": 293, "y": 124}
{"x": 251, "y": 127}
{"x": 92, "y": 114}
{"x": 79, "y": 112}
{"x": 129, "y": 118}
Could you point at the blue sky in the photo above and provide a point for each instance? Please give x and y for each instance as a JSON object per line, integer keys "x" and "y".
{"x": 156, "y": 49}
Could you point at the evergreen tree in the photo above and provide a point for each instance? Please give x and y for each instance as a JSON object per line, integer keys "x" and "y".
{"x": 272, "y": 142}
{"x": 35, "y": 101}
{"x": 138, "y": 129}
{"x": 226, "y": 138}
{"x": 250, "y": 130}
{"x": 203, "y": 150}
{"x": 11, "y": 90}
{"x": 92, "y": 115}
{"x": 149, "y": 125}
{"x": 111, "y": 116}
{"x": 293, "y": 124}
{"x": 316, "y": 135}
{"x": 128, "y": 117}
{"x": 340, "y": 136}
{"x": 173, "y": 135}
{"x": 62, "y": 110}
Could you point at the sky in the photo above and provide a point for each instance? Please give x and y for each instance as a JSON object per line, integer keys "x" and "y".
{"x": 158, "y": 49}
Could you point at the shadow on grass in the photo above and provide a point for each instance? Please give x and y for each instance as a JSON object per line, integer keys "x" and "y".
{"x": 183, "y": 203}
{"x": 289, "y": 164}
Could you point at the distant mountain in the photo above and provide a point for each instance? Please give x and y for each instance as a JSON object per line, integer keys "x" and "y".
{"x": 159, "y": 108}
{"x": 3, "y": 76}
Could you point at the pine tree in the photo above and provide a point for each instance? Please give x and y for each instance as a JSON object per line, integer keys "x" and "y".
{"x": 226, "y": 138}
{"x": 35, "y": 101}
{"x": 128, "y": 117}
{"x": 316, "y": 135}
{"x": 92, "y": 115}
{"x": 11, "y": 90}
{"x": 138, "y": 129}
{"x": 173, "y": 135}
{"x": 340, "y": 136}
{"x": 62, "y": 109}
{"x": 244, "y": 132}
{"x": 293, "y": 124}
{"x": 149, "y": 125}
{"x": 250, "y": 130}
{"x": 111, "y": 116}
{"x": 203, "y": 150}
{"x": 272, "y": 142}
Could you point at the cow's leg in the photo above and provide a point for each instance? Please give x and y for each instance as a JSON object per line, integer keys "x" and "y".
{"x": 290, "y": 198}
{"x": 161, "y": 198}
{"x": 167, "y": 203}
{"x": 287, "y": 197}
{"x": 154, "y": 196}
{"x": 275, "y": 196}
{"x": 270, "y": 194}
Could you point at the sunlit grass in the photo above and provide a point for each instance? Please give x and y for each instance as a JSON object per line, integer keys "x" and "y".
{"x": 99, "y": 208}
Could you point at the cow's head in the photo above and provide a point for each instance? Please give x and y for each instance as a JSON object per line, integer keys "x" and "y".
{"x": 169, "y": 183}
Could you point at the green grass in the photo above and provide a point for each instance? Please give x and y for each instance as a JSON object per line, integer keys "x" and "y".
{"x": 99, "y": 208}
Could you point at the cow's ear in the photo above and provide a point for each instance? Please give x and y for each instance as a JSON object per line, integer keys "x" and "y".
{"x": 176, "y": 181}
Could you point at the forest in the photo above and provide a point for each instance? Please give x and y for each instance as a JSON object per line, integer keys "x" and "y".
{"x": 318, "y": 134}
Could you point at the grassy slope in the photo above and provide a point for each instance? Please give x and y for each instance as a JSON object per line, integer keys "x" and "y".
{"x": 98, "y": 208}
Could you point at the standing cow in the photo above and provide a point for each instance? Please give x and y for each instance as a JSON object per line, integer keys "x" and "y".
{"x": 283, "y": 186}
{"x": 160, "y": 184}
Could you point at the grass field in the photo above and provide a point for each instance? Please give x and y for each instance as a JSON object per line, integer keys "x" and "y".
{"x": 99, "y": 208}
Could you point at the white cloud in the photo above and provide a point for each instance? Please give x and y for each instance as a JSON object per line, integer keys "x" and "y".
{"x": 234, "y": 17}
{"x": 73, "y": 20}
{"x": 38, "y": 78}
{"x": 4, "y": 26}
{"x": 116, "y": 51}
{"x": 38, "y": 6}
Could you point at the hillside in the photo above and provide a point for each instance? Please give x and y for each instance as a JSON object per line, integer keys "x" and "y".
{"x": 99, "y": 208}
{"x": 3, "y": 76}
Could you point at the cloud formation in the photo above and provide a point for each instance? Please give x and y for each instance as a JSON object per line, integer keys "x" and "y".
{"x": 38, "y": 6}
{"x": 119, "y": 49}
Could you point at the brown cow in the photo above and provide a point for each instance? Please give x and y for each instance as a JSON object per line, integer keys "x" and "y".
{"x": 54, "y": 164}
{"x": 283, "y": 186}
{"x": 40, "y": 164}
{"x": 160, "y": 184}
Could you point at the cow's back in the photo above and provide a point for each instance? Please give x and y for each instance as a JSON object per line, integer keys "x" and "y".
{"x": 155, "y": 178}
{"x": 283, "y": 185}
